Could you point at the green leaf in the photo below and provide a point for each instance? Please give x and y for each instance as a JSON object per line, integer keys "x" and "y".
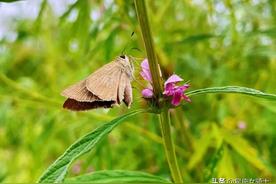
{"x": 9, "y": 1}
{"x": 244, "y": 149}
{"x": 233, "y": 89}
{"x": 212, "y": 165}
{"x": 226, "y": 166}
{"x": 201, "y": 147}
{"x": 198, "y": 38}
{"x": 57, "y": 171}
{"x": 117, "y": 176}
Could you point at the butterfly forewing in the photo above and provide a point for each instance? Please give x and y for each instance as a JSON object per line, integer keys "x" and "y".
{"x": 104, "y": 82}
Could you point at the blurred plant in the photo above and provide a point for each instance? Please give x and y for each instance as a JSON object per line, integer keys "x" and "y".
{"x": 211, "y": 42}
{"x": 151, "y": 72}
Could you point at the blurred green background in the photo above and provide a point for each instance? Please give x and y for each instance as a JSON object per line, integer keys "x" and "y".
{"x": 47, "y": 45}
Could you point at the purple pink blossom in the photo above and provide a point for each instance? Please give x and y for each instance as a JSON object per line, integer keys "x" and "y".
{"x": 171, "y": 89}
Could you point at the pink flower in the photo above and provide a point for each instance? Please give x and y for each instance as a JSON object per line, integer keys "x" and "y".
{"x": 145, "y": 73}
{"x": 242, "y": 125}
{"x": 171, "y": 89}
{"x": 76, "y": 169}
{"x": 147, "y": 92}
{"x": 177, "y": 92}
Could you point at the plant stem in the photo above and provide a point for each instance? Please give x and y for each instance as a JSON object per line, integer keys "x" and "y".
{"x": 158, "y": 89}
{"x": 147, "y": 38}
{"x": 165, "y": 124}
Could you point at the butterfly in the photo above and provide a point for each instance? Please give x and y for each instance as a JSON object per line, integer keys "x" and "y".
{"x": 106, "y": 87}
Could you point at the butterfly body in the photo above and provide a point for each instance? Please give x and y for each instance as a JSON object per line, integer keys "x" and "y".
{"x": 106, "y": 87}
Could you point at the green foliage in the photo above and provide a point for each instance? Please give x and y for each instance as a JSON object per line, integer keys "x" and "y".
{"x": 9, "y": 1}
{"x": 116, "y": 176}
{"x": 245, "y": 150}
{"x": 233, "y": 89}
{"x": 57, "y": 171}
{"x": 208, "y": 43}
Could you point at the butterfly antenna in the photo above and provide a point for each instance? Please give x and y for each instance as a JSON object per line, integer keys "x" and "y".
{"x": 127, "y": 44}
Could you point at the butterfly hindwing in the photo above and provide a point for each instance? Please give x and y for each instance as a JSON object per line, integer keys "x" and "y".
{"x": 81, "y": 106}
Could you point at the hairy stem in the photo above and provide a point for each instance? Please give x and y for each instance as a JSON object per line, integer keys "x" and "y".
{"x": 165, "y": 124}
{"x": 148, "y": 41}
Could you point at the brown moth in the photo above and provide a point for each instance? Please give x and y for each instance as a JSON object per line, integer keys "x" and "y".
{"x": 106, "y": 87}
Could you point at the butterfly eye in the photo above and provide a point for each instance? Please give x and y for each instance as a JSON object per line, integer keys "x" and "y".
{"x": 122, "y": 56}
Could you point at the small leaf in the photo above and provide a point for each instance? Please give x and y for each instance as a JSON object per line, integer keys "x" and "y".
{"x": 233, "y": 89}
{"x": 117, "y": 176}
{"x": 57, "y": 171}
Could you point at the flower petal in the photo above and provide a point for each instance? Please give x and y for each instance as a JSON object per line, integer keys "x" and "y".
{"x": 186, "y": 98}
{"x": 183, "y": 87}
{"x": 176, "y": 98}
{"x": 145, "y": 73}
{"x": 169, "y": 89}
{"x": 145, "y": 64}
{"x": 173, "y": 79}
{"x": 147, "y": 93}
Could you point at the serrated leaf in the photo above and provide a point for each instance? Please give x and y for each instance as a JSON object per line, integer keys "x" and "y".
{"x": 233, "y": 89}
{"x": 57, "y": 171}
{"x": 117, "y": 176}
{"x": 241, "y": 146}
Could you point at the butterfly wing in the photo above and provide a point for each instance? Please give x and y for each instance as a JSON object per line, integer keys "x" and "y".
{"x": 80, "y": 106}
{"x": 79, "y": 98}
{"x": 79, "y": 93}
{"x": 125, "y": 90}
{"x": 121, "y": 88}
{"x": 128, "y": 94}
{"x": 105, "y": 81}
{"x": 104, "y": 88}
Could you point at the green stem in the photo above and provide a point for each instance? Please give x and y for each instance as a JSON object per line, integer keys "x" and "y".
{"x": 165, "y": 124}
{"x": 147, "y": 38}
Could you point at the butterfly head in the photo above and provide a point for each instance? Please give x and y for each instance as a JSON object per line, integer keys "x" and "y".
{"x": 125, "y": 60}
{"x": 123, "y": 56}
{"x": 127, "y": 63}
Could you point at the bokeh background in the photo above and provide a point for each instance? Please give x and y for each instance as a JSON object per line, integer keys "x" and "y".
{"x": 46, "y": 45}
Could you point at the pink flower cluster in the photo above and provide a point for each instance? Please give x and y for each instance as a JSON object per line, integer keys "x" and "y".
{"x": 170, "y": 86}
